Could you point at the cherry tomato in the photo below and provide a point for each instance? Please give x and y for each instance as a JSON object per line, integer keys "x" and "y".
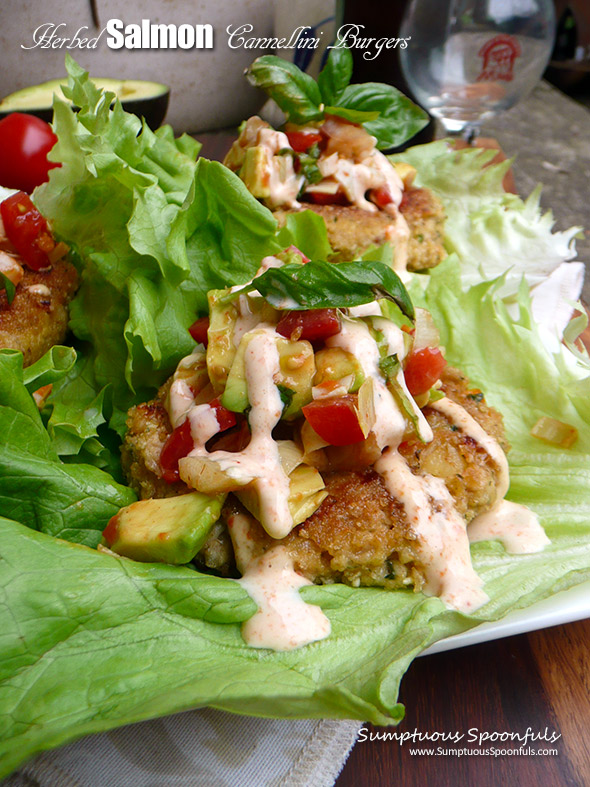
{"x": 335, "y": 419}
{"x": 381, "y": 196}
{"x": 178, "y": 445}
{"x": 301, "y": 141}
{"x": 27, "y": 230}
{"x": 198, "y": 330}
{"x": 423, "y": 369}
{"x": 312, "y": 325}
{"x": 25, "y": 141}
{"x": 321, "y": 198}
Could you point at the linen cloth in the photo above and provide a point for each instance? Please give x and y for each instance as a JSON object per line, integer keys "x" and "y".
{"x": 201, "y": 748}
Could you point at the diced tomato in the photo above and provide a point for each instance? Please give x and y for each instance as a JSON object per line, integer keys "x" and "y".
{"x": 178, "y": 445}
{"x": 313, "y": 325}
{"x": 301, "y": 141}
{"x": 381, "y": 196}
{"x": 111, "y": 531}
{"x": 225, "y": 418}
{"x": 321, "y": 198}
{"x": 27, "y": 230}
{"x": 335, "y": 419}
{"x": 198, "y": 330}
{"x": 423, "y": 369}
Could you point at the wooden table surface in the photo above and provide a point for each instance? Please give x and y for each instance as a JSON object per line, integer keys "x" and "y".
{"x": 539, "y": 680}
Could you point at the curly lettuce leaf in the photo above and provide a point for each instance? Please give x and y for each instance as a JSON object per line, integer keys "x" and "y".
{"x": 151, "y": 230}
{"x": 489, "y": 229}
{"x": 49, "y": 696}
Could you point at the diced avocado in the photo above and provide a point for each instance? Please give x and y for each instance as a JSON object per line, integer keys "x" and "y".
{"x": 335, "y": 363}
{"x": 297, "y": 365}
{"x": 255, "y": 171}
{"x": 220, "y": 336}
{"x": 170, "y": 530}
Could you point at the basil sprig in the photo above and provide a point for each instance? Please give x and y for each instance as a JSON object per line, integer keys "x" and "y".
{"x": 384, "y": 111}
{"x": 325, "y": 285}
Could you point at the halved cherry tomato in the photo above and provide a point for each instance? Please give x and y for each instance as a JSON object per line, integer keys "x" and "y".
{"x": 25, "y": 141}
{"x": 301, "y": 141}
{"x": 198, "y": 330}
{"x": 178, "y": 445}
{"x": 423, "y": 369}
{"x": 313, "y": 325}
{"x": 321, "y": 198}
{"x": 27, "y": 230}
{"x": 381, "y": 196}
{"x": 335, "y": 419}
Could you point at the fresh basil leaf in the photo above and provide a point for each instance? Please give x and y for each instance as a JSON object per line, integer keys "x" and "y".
{"x": 336, "y": 74}
{"x": 324, "y": 285}
{"x": 7, "y": 285}
{"x": 296, "y": 93}
{"x": 353, "y": 115}
{"x": 399, "y": 118}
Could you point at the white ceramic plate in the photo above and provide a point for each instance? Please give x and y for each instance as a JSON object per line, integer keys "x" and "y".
{"x": 564, "y": 607}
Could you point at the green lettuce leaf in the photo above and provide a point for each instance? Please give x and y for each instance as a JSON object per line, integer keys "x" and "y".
{"x": 73, "y": 502}
{"x": 120, "y": 616}
{"x": 489, "y": 229}
{"x": 151, "y": 230}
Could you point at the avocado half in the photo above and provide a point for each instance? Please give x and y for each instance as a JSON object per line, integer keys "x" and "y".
{"x": 145, "y": 99}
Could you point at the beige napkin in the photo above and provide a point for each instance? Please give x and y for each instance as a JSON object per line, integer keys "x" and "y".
{"x": 202, "y": 748}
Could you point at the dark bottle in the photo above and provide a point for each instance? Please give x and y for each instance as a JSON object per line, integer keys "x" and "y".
{"x": 381, "y": 21}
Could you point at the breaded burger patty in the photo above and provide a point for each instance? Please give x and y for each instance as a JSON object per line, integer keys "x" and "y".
{"x": 37, "y": 318}
{"x": 359, "y": 535}
{"x": 351, "y": 230}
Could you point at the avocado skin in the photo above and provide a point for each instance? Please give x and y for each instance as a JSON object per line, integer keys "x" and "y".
{"x": 152, "y": 108}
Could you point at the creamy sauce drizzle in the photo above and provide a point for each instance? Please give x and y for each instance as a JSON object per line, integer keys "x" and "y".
{"x": 442, "y": 544}
{"x": 283, "y": 620}
{"x": 259, "y": 463}
{"x": 469, "y": 426}
{"x": 516, "y": 526}
{"x": 282, "y": 180}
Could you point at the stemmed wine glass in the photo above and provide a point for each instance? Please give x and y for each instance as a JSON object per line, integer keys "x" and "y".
{"x": 467, "y": 60}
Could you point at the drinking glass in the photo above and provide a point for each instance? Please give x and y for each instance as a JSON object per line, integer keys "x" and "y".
{"x": 467, "y": 60}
